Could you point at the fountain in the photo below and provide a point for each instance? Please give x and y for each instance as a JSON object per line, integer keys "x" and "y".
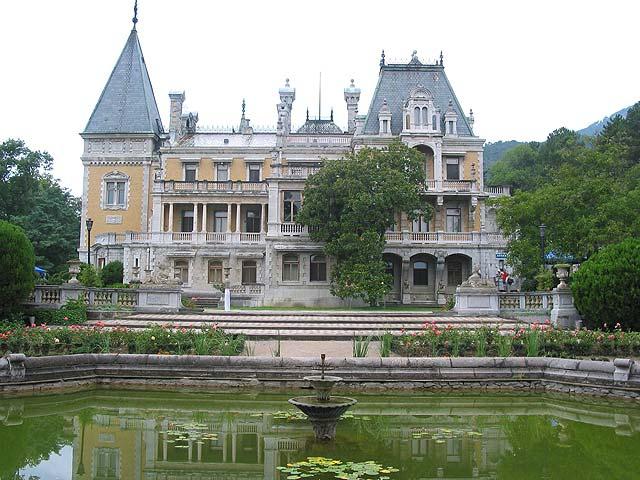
{"x": 323, "y": 410}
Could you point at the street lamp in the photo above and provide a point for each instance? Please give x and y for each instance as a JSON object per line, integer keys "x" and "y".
{"x": 89, "y": 224}
{"x": 542, "y": 230}
{"x": 227, "y": 291}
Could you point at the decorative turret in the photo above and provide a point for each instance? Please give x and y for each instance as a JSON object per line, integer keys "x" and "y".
{"x": 470, "y": 119}
{"x": 384, "y": 117}
{"x": 352, "y": 97}
{"x": 245, "y": 127}
{"x": 175, "y": 115}
{"x": 287, "y": 96}
{"x": 451, "y": 120}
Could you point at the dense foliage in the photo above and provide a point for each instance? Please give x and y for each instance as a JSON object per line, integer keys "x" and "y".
{"x": 17, "y": 263}
{"x": 31, "y": 198}
{"x": 112, "y": 273}
{"x": 42, "y": 340}
{"x": 587, "y": 192}
{"x": 74, "y": 312}
{"x": 533, "y": 341}
{"x": 89, "y": 276}
{"x": 350, "y": 203}
{"x": 606, "y": 288}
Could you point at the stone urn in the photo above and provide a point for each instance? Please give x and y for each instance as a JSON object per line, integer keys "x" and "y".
{"x": 74, "y": 270}
{"x": 562, "y": 272}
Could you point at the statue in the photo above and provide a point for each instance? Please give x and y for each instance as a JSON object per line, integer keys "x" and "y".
{"x": 475, "y": 280}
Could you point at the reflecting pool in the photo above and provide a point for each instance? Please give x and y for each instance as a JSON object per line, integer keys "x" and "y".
{"x": 109, "y": 434}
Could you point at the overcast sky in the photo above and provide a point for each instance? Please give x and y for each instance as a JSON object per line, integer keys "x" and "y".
{"x": 524, "y": 67}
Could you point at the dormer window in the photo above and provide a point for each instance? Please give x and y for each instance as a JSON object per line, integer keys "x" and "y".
{"x": 419, "y": 111}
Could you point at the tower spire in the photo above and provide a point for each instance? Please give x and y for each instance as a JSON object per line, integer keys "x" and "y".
{"x": 320, "y": 97}
{"x": 135, "y": 14}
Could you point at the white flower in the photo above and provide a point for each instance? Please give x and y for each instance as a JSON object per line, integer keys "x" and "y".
{"x": 153, "y": 338}
{"x": 56, "y": 340}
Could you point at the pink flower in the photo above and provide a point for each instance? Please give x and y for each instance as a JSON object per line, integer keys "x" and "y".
{"x": 611, "y": 337}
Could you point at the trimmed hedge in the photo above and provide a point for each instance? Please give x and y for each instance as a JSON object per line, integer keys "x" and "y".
{"x": 17, "y": 262}
{"x": 74, "y": 312}
{"x": 606, "y": 288}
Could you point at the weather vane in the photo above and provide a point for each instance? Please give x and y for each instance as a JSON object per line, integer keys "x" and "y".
{"x": 135, "y": 14}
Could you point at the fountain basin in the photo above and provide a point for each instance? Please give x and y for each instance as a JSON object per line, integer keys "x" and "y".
{"x": 323, "y": 414}
{"x": 322, "y": 384}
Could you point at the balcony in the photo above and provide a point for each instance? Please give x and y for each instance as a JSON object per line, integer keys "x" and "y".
{"x": 206, "y": 186}
{"x": 181, "y": 238}
{"x": 473, "y": 238}
{"x": 295, "y": 172}
{"x": 451, "y": 186}
{"x": 499, "y": 191}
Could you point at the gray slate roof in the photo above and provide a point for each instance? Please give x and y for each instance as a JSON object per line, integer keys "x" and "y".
{"x": 395, "y": 84}
{"x": 127, "y": 103}
{"x": 319, "y": 127}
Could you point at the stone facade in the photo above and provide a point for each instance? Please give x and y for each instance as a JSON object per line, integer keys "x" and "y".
{"x": 198, "y": 205}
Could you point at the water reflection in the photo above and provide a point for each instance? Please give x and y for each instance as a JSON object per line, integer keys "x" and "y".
{"x": 162, "y": 436}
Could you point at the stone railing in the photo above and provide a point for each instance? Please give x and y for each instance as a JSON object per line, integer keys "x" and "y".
{"x": 475, "y": 238}
{"x": 315, "y": 140}
{"x": 296, "y": 171}
{"x": 526, "y": 301}
{"x": 249, "y": 289}
{"x": 143, "y": 298}
{"x": 194, "y": 238}
{"x": 499, "y": 191}
{"x": 451, "y": 186}
{"x": 209, "y": 186}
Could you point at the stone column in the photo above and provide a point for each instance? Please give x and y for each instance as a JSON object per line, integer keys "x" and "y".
{"x": 228, "y": 218}
{"x": 405, "y": 283}
{"x": 204, "y": 217}
{"x": 437, "y": 165}
{"x": 171, "y": 217}
{"x": 238, "y": 217}
{"x": 195, "y": 217}
{"x": 262, "y": 214}
{"x": 234, "y": 444}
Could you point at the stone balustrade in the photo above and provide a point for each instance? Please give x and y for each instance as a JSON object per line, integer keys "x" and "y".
{"x": 209, "y": 186}
{"x": 499, "y": 191}
{"x": 296, "y": 171}
{"x": 193, "y": 238}
{"x": 451, "y": 186}
{"x": 526, "y": 301}
{"x": 144, "y": 298}
{"x": 405, "y": 237}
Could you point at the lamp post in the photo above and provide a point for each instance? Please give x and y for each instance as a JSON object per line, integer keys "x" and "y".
{"x": 227, "y": 291}
{"x": 89, "y": 224}
{"x": 542, "y": 231}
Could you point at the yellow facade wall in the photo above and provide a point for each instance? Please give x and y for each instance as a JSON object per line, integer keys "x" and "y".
{"x": 205, "y": 169}
{"x": 131, "y": 217}
{"x": 266, "y": 168}
{"x": 237, "y": 170}
{"x": 469, "y": 159}
{"x": 123, "y": 440}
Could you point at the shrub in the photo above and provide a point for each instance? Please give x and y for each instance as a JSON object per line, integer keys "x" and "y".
{"x": 74, "y": 312}
{"x": 17, "y": 262}
{"x": 89, "y": 276}
{"x": 606, "y": 288}
{"x": 544, "y": 280}
{"x": 112, "y": 272}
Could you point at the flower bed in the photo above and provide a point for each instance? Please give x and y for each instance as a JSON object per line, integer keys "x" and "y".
{"x": 532, "y": 341}
{"x": 43, "y": 340}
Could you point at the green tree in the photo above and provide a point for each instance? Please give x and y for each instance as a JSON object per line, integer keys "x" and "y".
{"x": 31, "y": 198}
{"x": 350, "y": 203}
{"x": 89, "y": 276}
{"x": 606, "y": 288}
{"x": 112, "y": 273}
{"x": 17, "y": 263}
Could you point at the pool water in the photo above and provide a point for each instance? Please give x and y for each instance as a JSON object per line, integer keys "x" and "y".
{"x": 110, "y": 434}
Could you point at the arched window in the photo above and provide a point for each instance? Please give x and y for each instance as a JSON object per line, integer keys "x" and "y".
{"x": 420, "y": 273}
{"x": 425, "y": 116}
{"x": 454, "y": 273}
{"x": 408, "y": 122}
{"x": 290, "y": 268}
{"x": 181, "y": 271}
{"x": 318, "y": 268}
{"x": 115, "y": 187}
{"x": 215, "y": 271}
{"x": 434, "y": 122}
{"x": 416, "y": 116}
{"x": 249, "y": 272}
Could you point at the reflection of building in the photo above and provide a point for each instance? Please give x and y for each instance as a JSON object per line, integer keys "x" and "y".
{"x": 186, "y": 203}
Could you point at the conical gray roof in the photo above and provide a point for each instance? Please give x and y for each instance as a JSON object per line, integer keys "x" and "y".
{"x": 127, "y": 103}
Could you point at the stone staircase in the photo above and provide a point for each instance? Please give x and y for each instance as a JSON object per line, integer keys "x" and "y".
{"x": 311, "y": 325}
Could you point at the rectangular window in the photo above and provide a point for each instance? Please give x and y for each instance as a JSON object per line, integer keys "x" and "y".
{"x": 249, "y": 271}
{"x": 252, "y": 220}
{"x": 420, "y": 273}
{"x": 318, "y": 268}
{"x": 292, "y": 204}
{"x": 187, "y": 221}
{"x": 181, "y": 271}
{"x": 385, "y": 126}
{"x": 215, "y": 271}
{"x": 190, "y": 172}
{"x": 290, "y": 268}
{"x": 220, "y": 221}
{"x": 420, "y": 225}
{"x": 254, "y": 172}
{"x": 222, "y": 172}
{"x": 116, "y": 193}
{"x": 453, "y": 169}
{"x": 453, "y": 220}
{"x": 106, "y": 463}
{"x": 454, "y": 274}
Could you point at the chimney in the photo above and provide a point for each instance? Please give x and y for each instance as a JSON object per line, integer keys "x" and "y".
{"x": 175, "y": 115}
{"x": 352, "y": 97}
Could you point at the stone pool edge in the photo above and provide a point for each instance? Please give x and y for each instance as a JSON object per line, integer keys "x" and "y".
{"x": 617, "y": 379}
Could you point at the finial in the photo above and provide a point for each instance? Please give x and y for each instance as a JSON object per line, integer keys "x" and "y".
{"x": 352, "y": 83}
{"x": 286, "y": 82}
{"x": 382, "y": 59}
{"x": 414, "y": 53}
{"x": 243, "y": 107}
{"x": 307, "y": 114}
{"x": 135, "y": 14}
{"x": 332, "y": 114}
{"x": 441, "y": 58}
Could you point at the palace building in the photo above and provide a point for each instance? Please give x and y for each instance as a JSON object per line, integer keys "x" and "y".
{"x": 201, "y": 207}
